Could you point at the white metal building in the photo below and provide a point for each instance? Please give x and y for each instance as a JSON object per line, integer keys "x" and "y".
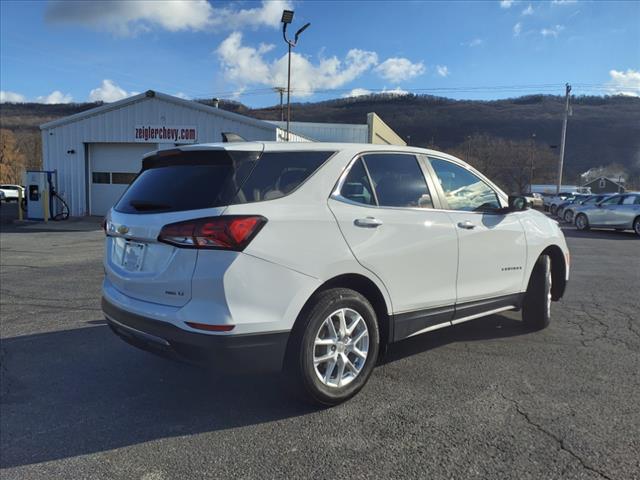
{"x": 97, "y": 153}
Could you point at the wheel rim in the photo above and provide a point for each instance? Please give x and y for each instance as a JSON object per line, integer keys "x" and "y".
{"x": 580, "y": 222}
{"x": 341, "y": 347}
{"x": 637, "y": 227}
{"x": 568, "y": 216}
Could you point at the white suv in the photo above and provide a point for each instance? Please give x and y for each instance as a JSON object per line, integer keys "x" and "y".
{"x": 311, "y": 258}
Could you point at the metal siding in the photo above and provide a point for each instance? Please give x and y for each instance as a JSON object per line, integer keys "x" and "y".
{"x": 329, "y": 132}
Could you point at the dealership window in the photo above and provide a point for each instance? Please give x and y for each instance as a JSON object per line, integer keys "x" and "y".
{"x": 122, "y": 178}
{"x": 602, "y": 183}
{"x": 101, "y": 177}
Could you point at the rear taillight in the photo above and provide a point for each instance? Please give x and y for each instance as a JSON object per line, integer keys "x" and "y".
{"x": 231, "y": 232}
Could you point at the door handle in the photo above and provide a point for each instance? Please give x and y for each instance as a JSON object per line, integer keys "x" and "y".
{"x": 367, "y": 222}
{"x": 466, "y": 225}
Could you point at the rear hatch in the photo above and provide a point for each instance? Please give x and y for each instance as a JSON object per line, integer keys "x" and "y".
{"x": 173, "y": 186}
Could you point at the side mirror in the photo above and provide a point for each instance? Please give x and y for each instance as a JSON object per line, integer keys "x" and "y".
{"x": 517, "y": 203}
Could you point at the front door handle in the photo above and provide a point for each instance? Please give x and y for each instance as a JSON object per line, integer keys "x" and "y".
{"x": 466, "y": 225}
{"x": 367, "y": 222}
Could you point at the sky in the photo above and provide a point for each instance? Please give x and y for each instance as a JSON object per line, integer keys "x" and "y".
{"x": 69, "y": 51}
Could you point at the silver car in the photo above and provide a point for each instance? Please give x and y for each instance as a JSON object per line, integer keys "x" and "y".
{"x": 619, "y": 212}
{"x": 567, "y": 213}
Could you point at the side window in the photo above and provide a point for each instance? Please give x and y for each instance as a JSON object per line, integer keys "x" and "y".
{"x": 398, "y": 180}
{"x": 462, "y": 189}
{"x": 630, "y": 200}
{"x": 356, "y": 186}
{"x": 611, "y": 201}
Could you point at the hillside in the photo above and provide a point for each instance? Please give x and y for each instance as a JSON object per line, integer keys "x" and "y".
{"x": 602, "y": 130}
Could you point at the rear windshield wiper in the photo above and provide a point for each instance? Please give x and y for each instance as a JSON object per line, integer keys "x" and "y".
{"x": 143, "y": 206}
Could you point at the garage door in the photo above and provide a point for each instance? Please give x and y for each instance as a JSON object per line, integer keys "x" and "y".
{"x": 112, "y": 167}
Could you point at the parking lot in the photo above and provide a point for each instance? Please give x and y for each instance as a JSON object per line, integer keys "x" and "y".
{"x": 484, "y": 399}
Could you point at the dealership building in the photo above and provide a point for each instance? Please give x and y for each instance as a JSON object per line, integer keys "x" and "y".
{"x": 96, "y": 153}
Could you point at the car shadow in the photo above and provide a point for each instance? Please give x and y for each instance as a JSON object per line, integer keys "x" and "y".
{"x": 491, "y": 327}
{"x": 75, "y": 392}
{"x": 595, "y": 234}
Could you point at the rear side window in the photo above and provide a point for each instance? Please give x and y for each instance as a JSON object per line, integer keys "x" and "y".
{"x": 177, "y": 181}
{"x": 398, "y": 180}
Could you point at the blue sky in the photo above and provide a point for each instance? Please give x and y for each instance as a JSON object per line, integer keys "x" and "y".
{"x": 70, "y": 51}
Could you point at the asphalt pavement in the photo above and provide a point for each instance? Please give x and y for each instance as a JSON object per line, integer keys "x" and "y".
{"x": 485, "y": 399}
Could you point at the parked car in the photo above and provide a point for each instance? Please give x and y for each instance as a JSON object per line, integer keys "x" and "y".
{"x": 618, "y": 212}
{"x": 311, "y": 258}
{"x": 2, "y": 196}
{"x": 566, "y": 212}
{"x": 11, "y": 192}
{"x": 569, "y": 201}
{"x": 554, "y": 201}
{"x": 536, "y": 200}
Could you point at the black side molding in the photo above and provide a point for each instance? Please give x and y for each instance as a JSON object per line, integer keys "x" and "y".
{"x": 408, "y": 323}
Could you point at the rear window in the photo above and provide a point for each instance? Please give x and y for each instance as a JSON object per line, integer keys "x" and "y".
{"x": 178, "y": 181}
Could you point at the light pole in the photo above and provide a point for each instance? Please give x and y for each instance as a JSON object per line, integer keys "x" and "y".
{"x": 280, "y": 90}
{"x": 287, "y": 18}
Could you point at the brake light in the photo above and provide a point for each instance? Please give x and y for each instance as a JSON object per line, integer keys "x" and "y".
{"x": 231, "y": 232}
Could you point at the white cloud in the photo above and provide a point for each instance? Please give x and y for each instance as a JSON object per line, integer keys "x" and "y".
{"x": 396, "y": 92}
{"x": 476, "y": 42}
{"x": 128, "y": 17}
{"x": 625, "y": 83}
{"x": 442, "y": 70}
{"x": 517, "y": 29}
{"x": 552, "y": 31}
{"x": 55, "y": 97}
{"x": 357, "y": 92}
{"x": 183, "y": 96}
{"x": 563, "y": 2}
{"x": 506, "y": 3}
{"x": 361, "y": 92}
{"x": 109, "y": 91}
{"x": 11, "y": 97}
{"x": 244, "y": 65}
{"x": 398, "y": 69}
{"x": 528, "y": 10}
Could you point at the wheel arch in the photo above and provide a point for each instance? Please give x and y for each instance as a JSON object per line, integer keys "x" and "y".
{"x": 558, "y": 270}
{"x": 367, "y": 288}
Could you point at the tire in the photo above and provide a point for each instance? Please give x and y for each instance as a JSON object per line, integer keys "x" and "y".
{"x": 582, "y": 222}
{"x": 636, "y": 226}
{"x": 536, "y": 308}
{"x": 321, "y": 382}
{"x": 568, "y": 216}
{"x": 553, "y": 210}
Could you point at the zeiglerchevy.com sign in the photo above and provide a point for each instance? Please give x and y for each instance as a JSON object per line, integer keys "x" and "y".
{"x": 165, "y": 134}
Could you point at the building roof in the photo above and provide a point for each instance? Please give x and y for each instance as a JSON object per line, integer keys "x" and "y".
{"x": 161, "y": 96}
{"x": 604, "y": 178}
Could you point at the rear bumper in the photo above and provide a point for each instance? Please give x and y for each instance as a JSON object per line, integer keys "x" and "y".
{"x": 245, "y": 353}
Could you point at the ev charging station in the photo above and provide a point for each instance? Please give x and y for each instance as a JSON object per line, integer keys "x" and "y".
{"x": 39, "y": 193}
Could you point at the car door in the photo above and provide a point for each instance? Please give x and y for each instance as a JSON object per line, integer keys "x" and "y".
{"x": 385, "y": 211}
{"x": 492, "y": 248}
{"x": 623, "y": 214}
{"x": 600, "y": 215}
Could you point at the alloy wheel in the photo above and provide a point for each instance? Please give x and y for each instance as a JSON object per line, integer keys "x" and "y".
{"x": 341, "y": 347}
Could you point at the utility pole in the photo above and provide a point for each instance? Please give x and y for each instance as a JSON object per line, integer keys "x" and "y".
{"x": 281, "y": 91}
{"x": 564, "y": 135}
{"x": 533, "y": 137}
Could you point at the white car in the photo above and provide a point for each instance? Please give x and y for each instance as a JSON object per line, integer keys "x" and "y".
{"x": 11, "y": 192}
{"x": 312, "y": 257}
